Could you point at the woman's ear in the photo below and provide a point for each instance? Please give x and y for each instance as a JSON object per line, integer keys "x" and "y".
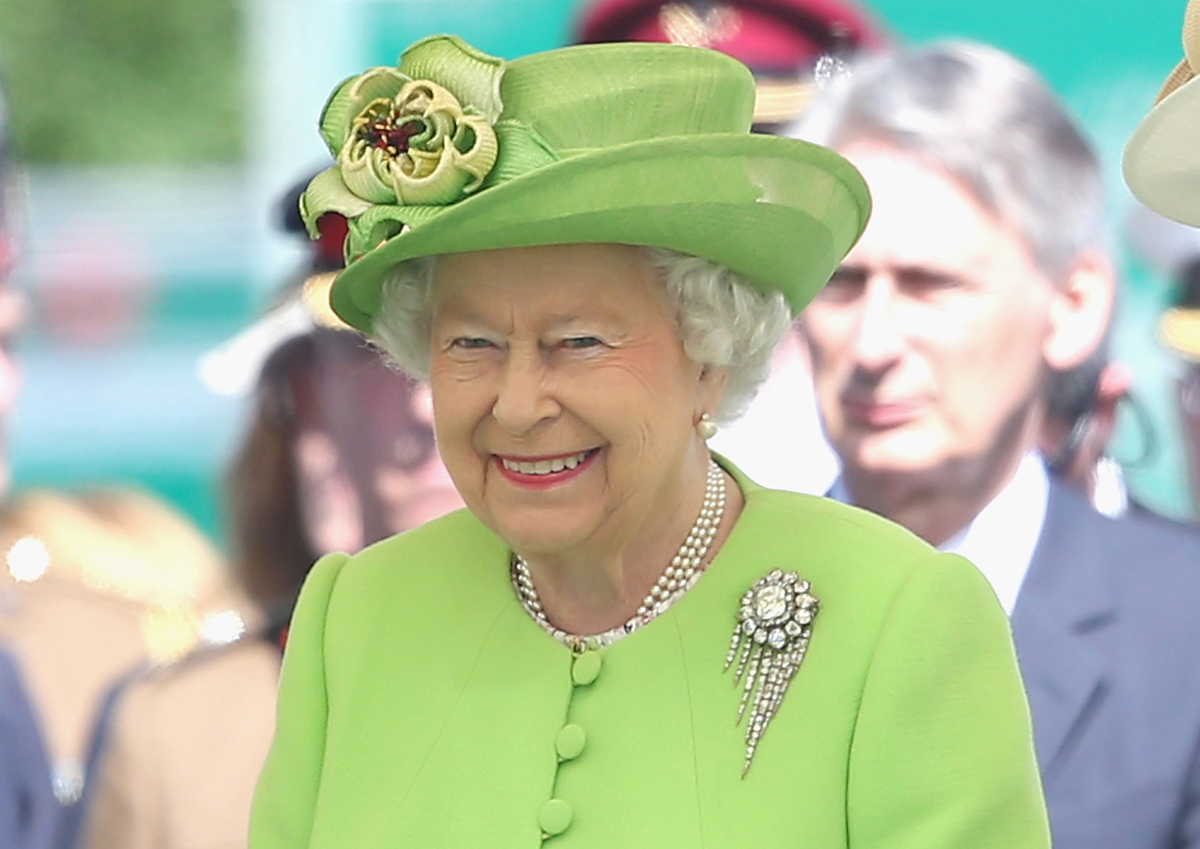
{"x": 1080, "y": 311}
{"x": 711, "y": 387}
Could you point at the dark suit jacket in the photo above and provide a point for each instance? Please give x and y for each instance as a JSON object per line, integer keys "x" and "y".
{"x": 28, "y": 810}
{"x": 1107, "y": 627}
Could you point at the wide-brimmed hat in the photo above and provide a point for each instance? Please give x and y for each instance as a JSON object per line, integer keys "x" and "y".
{"x": 786, "y": 44}
{"x": 637, "y": 144}
{"x": 1162, "y": 158}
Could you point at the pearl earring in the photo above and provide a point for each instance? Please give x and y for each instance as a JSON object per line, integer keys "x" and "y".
{"x": 706, "y": 427}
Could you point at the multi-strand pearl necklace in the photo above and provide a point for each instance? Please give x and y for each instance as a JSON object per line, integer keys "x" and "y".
{"x": 679, "y": 576}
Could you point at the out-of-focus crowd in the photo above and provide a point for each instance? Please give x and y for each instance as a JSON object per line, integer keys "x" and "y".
{"x": 954, "y": 376}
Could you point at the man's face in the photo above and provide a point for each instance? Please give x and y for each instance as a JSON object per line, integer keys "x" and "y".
{"x": 927, "y": 345}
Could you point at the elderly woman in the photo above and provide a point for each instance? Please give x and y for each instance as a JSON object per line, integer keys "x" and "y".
{"x": 618, "y": 643}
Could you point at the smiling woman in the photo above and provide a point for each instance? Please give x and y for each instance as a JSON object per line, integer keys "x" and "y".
{"x": 618, "y": 642}
{"x": 580, "y": 335}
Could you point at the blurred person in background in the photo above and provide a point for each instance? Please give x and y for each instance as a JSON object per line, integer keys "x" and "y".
{"x": 83, "y": 601}
{"x": 1179, "y": 329}
{"x": 28, "y": 811}
{"x": 1080, "y": 418}
{"x": 338, "y": 453}
{"x": 793, "y": 48}
{"x": 98, "y": 586}
{"x": 980, "y": 273}
{"x": 1162, "y": 167}
{"x": 1172, "y": 250}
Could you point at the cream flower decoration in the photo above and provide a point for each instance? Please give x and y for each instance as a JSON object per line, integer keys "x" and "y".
{"x": 407, "y": 139}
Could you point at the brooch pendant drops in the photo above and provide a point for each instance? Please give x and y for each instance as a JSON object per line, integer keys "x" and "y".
{"x": 770, "y": 639}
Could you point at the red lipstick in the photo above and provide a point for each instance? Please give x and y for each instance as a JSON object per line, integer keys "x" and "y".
{"x": 545, "y": 480}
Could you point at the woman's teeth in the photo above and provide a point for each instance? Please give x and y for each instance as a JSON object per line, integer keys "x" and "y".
{"x": 545, "y": 467}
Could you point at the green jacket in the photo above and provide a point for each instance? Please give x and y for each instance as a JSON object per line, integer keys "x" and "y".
{"x": 421, "y": 706}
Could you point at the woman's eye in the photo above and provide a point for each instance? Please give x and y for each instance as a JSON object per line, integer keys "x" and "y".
{"x": 471, "y": 342}
{"x": 581, "y": 342}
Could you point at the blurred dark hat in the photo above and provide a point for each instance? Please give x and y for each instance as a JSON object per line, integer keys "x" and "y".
{"x": 301, "y": 306}
{"x": 1179, "y": 326}
{"x": 781, "y": 41}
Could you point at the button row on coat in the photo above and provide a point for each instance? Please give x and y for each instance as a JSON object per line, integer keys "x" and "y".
{"x": 554, "y": 816}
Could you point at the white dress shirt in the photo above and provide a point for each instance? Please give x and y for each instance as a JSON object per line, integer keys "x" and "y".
{"x": 1000, "y": 540}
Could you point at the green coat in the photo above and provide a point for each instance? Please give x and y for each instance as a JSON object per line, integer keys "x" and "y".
{"x": 421, "y": 706}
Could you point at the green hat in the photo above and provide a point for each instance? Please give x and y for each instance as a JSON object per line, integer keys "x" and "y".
{"x": 637, "y": 144}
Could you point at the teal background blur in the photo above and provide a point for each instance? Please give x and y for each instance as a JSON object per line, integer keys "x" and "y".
{"x": 191, "y": 253}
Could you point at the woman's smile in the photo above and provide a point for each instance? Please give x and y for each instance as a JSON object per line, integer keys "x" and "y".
{"x": 547, "y": 471}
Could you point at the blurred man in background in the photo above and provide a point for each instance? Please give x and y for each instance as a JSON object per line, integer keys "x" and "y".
{"x": 1172, "y": 251}
{"x": 793, "y": 47}
{"x": 981, "y": 273}
{"x": 1080, "y": 418}
{"x": 1179, "y": 329}
{"x": 1162, "y": 167}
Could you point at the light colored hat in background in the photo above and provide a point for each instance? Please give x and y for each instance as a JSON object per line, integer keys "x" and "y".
{"x": 1162, "y": 158}
{"x": 232, "y": 368}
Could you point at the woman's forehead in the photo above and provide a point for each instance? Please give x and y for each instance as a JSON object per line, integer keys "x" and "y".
{"x": 562, "y": 281}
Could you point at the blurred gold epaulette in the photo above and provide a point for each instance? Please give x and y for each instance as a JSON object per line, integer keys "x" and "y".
{"x": 217, "y": 634}
{"x": 1179, "y": 330}
{"x": 125, "y": 545}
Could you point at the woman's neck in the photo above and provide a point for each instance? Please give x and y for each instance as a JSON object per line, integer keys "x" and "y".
{"x": 591, "y": 592}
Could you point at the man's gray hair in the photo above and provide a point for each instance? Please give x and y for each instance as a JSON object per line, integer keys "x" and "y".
{"x": 990, "y": 121}
{"x": 723, "y": 321}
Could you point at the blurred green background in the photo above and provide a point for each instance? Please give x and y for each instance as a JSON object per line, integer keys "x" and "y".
{"x": 157, "y": 134}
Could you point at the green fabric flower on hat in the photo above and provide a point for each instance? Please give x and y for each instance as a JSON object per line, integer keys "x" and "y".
{"x": 407, "y": 140}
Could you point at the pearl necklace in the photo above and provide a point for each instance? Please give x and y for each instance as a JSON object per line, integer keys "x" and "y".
{"x": 682, "y": 573}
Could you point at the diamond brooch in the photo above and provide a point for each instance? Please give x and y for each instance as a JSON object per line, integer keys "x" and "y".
{"x": 773, "y": 628}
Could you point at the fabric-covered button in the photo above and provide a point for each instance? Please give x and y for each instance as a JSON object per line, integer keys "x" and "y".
{"x": 554, "y": 816}
{"x": 586, "y": 668}
{"x": 570, "y": 742}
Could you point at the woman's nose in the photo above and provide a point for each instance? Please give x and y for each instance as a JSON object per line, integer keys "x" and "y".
{"x": 524, "y": 399}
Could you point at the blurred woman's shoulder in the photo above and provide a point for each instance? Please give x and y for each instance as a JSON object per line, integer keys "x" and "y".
{"x": 183, "y": 747}
{"x": 97, "y": 585}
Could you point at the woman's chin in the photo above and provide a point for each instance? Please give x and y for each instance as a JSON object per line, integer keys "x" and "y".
{"x": 531, "y": 535}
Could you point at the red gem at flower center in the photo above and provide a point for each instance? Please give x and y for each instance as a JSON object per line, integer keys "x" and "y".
{"x": 384, "y": 134}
